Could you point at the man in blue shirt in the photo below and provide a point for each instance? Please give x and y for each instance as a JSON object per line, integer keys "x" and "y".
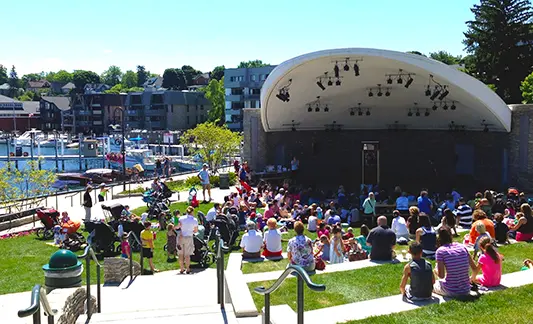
{"x": 203, "y": 175}
{"x": 424, "y": 204}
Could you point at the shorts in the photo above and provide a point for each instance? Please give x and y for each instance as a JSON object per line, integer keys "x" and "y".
{"x": 268, "y": 254}
{"x": 206, "y": 185}
{"x": 186, "y": 246}
{"x": 522, "y": 237}
{"x": 148, "y": 253}
{"x": 439, "y": 289}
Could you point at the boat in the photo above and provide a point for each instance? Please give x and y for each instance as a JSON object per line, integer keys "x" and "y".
{"x": 144, "y": 157}
{"x": 26, "y": 138}
{"x": 74, "y": 178}
{"x": 98, "y": 176}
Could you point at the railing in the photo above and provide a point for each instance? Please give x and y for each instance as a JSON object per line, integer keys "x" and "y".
{"x": 38, "y": 297}
{"x": 88, "y": 254}
{"x": 141, "y": 263}
{"x": 221, "y": 249}
{"x": 302, "y": 277}
{"x": 72, "y": 197}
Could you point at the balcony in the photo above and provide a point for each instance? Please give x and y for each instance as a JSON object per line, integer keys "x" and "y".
{"x": 134, "y": 112}
{"x": 234, "y": 97}
{"x": 155, "y": 112}
{"x": 234, "y": 126}
{"x": 84, "y": 112}
{"x": 252, "y": 96}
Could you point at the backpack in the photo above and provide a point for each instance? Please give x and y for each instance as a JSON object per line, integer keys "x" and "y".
{"x": 319, "y": 264}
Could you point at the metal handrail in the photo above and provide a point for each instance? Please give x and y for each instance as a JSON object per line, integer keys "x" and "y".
{"x": 221, "y": 249}
{"x": 38, "y": 297}
{"x": 141, "y": 263}
{"x": 89, "y": 254}
{"x": 303, "y": 276}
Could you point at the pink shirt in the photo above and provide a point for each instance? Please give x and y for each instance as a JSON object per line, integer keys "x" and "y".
{"x": 125, "y": 246}
{"x": 323, "y": 232}
{"x": 268, "y": 213}
{"x": 492, "y": 271}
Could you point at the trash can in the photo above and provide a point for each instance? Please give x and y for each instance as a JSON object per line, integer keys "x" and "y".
{"x": 62, "y": 271}
{"x": 224, "y": 181}
{"x": 18, "y": 151}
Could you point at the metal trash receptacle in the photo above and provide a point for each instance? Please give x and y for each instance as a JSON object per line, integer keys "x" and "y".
{"x": 224, "y": 181}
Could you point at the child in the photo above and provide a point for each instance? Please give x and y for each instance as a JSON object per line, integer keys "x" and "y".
{"x": 361, "y": 239}
{"x": 501, "y": 229}
{"x": 349, "y": 234}
{"x": 125, "y": 247}
{"x": 322, "y": 230}
{"x": 509, "y": 210}
{"x": 162, "y": 220}
{"x": 490, "y": 263}
{"x": 176, "y": 218}
{"x": 147, "y": 238}
{"x": 528, "y": 264}
{"x": 171, "y": 243}
{"x": 421, "y": 274}
{"x": 480, "y": 228}
{"x": 336, "y": 254}
{"x": 125, "y": 213}
{"x": 323, "y": 248}
{"x": 272, "y": 240}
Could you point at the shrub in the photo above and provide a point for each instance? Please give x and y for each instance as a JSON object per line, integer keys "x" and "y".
{"x": 194, "y": 181}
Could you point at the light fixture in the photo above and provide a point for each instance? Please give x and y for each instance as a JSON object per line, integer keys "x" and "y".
{"x": 352, "y": 113}
{"x": 453, "y": 107}
{"x": 434, "y": 106}
{"x": 368, "y": 112}
{"x": 409, "y": 81}
{"x": 326, "y": 109}
{"x": 387, "y": 93}
{"x": 346, "y": 66}
{"x": 410, "y": 113}
{"x": 389, "y": 80}
{"x": 444, "y": 94}
{"x": 435, "y": 93}
{"x": 426, "y": 113}
{"x": 380, "y": 93}
{"x": 330, "y": 83}
{"x": 370, "y": 93}
{"x": 317, "y": 108}
{"x": 320, "y": 85}
{"x": 293, "y": 129}
{"x": 309, "y": 109}
{"x": 400, "y": 80}
{"x": 360, "y": 112}
{"x": 445, "y": 107}
{"x": 428, "y": 92}
{"x": 336, "y": 70}
{"x": 417, "y": 113}
{"x": 338, "y": 82}
{"x": 356, "y": 68}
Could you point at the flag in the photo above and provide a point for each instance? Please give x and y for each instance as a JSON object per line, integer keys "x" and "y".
{"x": 31, "y": 115}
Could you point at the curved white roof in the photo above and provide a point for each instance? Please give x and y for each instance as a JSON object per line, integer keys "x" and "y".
{"x": 477, "y": 105}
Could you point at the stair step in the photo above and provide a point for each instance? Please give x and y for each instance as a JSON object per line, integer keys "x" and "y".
{"x": 282, "y": 314}
{"x": 203, "y": 314}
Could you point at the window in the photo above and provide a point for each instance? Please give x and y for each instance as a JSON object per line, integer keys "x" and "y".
{"x": 201, "y": 107}
{"x": 237, "y": 91}
{"x": 172, "y": 108}
{"x": 232, "y": 79}
{"x": 262, "y": 77}
{"x": 188, "y": 120}
{"x": 253, "y": 77}
{"x": 255, "y": 91}
{"x": 252, "y": 104}
{"x": 187, "y": 111}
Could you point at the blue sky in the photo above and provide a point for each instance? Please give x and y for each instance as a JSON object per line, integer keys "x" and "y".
{"x": 52, "y": 35}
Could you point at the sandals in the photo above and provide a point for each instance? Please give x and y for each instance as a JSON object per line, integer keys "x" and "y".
{"x": 182, "y": 271}
{"x": 188, "y": 272}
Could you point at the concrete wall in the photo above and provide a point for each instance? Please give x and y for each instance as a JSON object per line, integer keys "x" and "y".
{"x": 255, "y": 141}
{"x": 178, "y": 118}
{"x": 521, "y": 139}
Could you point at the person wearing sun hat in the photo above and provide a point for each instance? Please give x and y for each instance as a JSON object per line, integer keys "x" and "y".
{"x": 203, "y": 175}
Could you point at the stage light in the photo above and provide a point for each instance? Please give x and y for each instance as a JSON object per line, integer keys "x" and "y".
{"x": 320, "y": 85}
{"x": 360, "y": 113}
{"x": 370, "y": 93}
{"x": 435, "y": 94}
{"x": 453, "y": 107}
{"x": 368, "y": 112}
{"x": 434, "y": 107}
{"x": 336, "y": 70}
{"x": 280, "y": 97}
{"x": 287, "y": 95}
{"x": 346, "y": 67}
{"x": 418, "y": 113}
{"x": 387, "y": 93}
{"x": 380, "y": 93}
{"x": 326, "y": 109}
{"x": 283, "y": 96}
{"x": 410, "y": 113}
{"x": 338, "y": 82}
{"x": 309, "y": 109}
{"x": 389, "y": 80}
{"x": 356, "y": 69}
{"x": 409, "y": 82}
{"x": 445, "y": 107}
{"x": 293, "y": 129}
{"x": 317, "y": 108}
{"x": 428, "y": 92}
{"x": 444, "y": 94}
{"x": 486, "y": 129}
{"x": 352, "y": 113}
{"x": 400, "y": 80}
{"x": 426, "y": 113}
{"x": 330, "y": 83}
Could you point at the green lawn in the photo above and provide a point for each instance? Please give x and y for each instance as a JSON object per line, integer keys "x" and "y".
{"x": 512, "y": 305}
{"x": 23, "y": 257}
{"x": 367, "y": 283}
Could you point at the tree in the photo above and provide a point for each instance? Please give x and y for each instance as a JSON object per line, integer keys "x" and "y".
{"x": 116, "y": 89}
{"x": 3, "y": 74}
{"x": 112, "y": 75}
{"x": 415, "y": 52}
{"x": 252, "y": 64}
{"x": 214, "y": 92}
{"x": 129, "y": 79}
{"x": 190, "y": 73}
{"x": 26, "y": 78}
{"x": 174, "y": 79}
{"x": 500, "y": 40}
{"x": 81, "y": 77}
{"x": 142, "y": 75}
{"x": 134, "y": 89}
{"x": 13, "y": 81}
{"x": 213, "y": 143}
{"x": 29, "y": 96}
{"x": 445, "y": 57}
{"x": 60, "y": 76}
{"x": 527, "y": 89}
{"x": 218, "y": 72}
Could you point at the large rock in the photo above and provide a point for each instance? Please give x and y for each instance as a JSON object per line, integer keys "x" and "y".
{"x": 75, "y": 306}
{"x": 116, "y": 269}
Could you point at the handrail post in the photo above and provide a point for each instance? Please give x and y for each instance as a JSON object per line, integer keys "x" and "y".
{"x": 266, "y": 314}
{"x": 88, "y": 289}
{"x": 50, "y": 319}
{"x": 98, "y": 295}
{"x": 300, "y": 300}
{"x": 142, "y": 259}
{"x": 131, "y": 266}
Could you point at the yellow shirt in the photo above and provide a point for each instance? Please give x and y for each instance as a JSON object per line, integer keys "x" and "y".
{"x": 138, "y": 167}
{"x": 147, "y": 238}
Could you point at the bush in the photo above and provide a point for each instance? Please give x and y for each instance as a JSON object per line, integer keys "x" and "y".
{"x": 194, "y": 181}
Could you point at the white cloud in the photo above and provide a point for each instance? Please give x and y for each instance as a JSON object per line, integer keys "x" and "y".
{"x": 107, "y": 51}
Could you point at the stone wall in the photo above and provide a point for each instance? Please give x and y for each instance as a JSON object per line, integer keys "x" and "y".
{"x": 116, "y": 269}
{"x": 75, "y": 306}
{"x": 255, "y": 145}
{"x": 520, "y": 176}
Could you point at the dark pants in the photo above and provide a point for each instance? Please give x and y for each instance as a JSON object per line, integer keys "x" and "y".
{"x": 369, "y": 220}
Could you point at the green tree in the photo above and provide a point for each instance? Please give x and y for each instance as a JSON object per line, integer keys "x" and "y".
{"x": 415, "y": 52}
{"x": 26, "y": 78}
{"x": 218, "y": 72}
{"x": 142, "y": 75}
{"x": 61, "y": 76}
{"x": 13, "y": 81}
{"x": 252, "y": 64}
{"x": 190, "y": 73}
{"x": 445, "y": 57}
{"x": 112, "y": 76}
{"x": 500, "y": 40}
{"x": 134, "y": 89}
{"x": 29, "y": 96}
{"x": 214, "y": 92}
{"x": 3, "y": 74}
{"x": 81, "y": 77}
{"x": 174, "y": 79}
{"x": 116, "y": 89}
{"x": 129, "y": 79}
{"x": 527, "y": 89}
{"x": 213, "y": 143}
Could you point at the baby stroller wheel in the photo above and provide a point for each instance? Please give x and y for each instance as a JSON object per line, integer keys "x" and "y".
{"x": 165, "y": 247}
{"x": 118, "y": 249}
{"x": 48, "y": 234}
{"x": 209, "y": 259}
{"x": 40, "y": 232}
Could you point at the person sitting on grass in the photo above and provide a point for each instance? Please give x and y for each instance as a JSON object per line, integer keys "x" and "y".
{"x": 323, "y": 248}
{"x": 172, "y": 243}
{"x": 322, "y": 230}
{"x": 501, "y": 229}
{"x": 272, "y": 240}
{"x": 448, "y": 219}
{"x": 480, "y": 229}
{"x": 126, "y": 213}
{"x": 528, "y": 265}
{"x": 399, "y": 226}
{"x": 481, "y": 217}
{"x": 312, "y": 222}
{"x": 426, "y": 236}
{"x": 382, "y": 240}
{"x": 147, "y": 238}
{"x": 349, "y": 234}
{"x": 336, "y": 254}
{"x": 421, "y": 274}
{"x": 490, "y": 263}
{"x": 524, "y": 227}
{"x": 453, "y": 263}
{"x": 361, "y": 239}
{"x": 300, "y": 249}
{"x": 251, "y": 242}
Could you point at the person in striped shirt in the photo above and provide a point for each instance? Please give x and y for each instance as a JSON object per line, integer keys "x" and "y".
{"x": 453, "y": 263}
{"x": 463, "y": 213}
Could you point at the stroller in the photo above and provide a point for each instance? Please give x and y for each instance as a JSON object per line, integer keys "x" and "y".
{"x": 192, "y": 200}
{"x": 149, "y": 197}
{"x": 157, "y": 206}
{"x": 227, "y": 227}
{"x": 102, "y": 237}
{"x": 202, "y": 255}
{"x": 130, "y": 226}
{"x": 49, "y": 218}
{"x": 113, "y": 212}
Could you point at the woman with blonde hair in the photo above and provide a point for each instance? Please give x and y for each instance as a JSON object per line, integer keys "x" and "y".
{"x": 524, "y": 227}
{"x": 413, "y": 222}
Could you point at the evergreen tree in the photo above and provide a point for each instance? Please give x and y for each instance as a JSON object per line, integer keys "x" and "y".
{"x": 500, "y": 41}
{"x": 142, "y": 75}
{"x": 13, "y": 82}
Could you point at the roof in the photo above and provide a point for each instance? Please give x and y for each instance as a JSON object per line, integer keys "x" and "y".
{"x": 185, "y": 98}
{"x": 202, "y": 75}
{"x": 38, "y": 84}
{"x": 62, "y": 103}
{"x": 5, "y": 99}
{"x": 68, "y": 86}
{"x": 5, "y": 86}
{"x": 18, "y": 107}
{"x": 31, "y": 107}
{"x": 155, "y": 82}
{"x": 476, "y": 105}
